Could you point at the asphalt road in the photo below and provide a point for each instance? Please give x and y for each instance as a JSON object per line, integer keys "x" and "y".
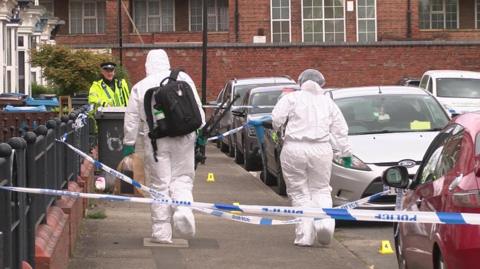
{"x": 362, "y": 239}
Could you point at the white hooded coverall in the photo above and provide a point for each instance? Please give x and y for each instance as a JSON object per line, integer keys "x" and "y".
{"x": 174, "y": 172}
{"x": 313, "y": 122}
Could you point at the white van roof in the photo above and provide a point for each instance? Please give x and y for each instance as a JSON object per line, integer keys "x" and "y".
{"x": 452, "y": 74}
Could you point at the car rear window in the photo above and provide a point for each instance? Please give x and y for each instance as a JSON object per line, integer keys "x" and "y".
{"x": 243, "y": 89}
{"x": 458, "y": 87}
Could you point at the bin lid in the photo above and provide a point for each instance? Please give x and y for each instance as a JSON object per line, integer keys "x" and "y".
{"x": 110, "y": 113}
{"x": 25, "y": 109}
{"x": 38, "y": 102}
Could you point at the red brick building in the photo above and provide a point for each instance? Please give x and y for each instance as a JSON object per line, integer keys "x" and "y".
{"x": 354, "y": 42}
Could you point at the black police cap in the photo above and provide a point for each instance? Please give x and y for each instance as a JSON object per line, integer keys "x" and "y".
{"x": 108, "y": 65}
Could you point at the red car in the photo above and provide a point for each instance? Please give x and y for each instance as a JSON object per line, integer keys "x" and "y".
{"x": 447, "y": 181}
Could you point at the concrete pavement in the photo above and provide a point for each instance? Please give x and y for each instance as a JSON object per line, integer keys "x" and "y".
{"x": 117, "y": 240}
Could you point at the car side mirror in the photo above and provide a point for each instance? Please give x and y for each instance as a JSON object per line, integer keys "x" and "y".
{"x": 268, "y": 124}
{"x": 238, "y": 113}
{"x": 396, "y": 177}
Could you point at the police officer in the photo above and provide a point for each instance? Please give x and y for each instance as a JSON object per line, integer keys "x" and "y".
{"x": 108, "y": 91}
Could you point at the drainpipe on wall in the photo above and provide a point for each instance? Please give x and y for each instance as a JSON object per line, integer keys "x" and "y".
{"x": 409, "y": 19}
{"x": 120, "y": 37}
{"x": 204, "y": 52}
{"x": 237, "y": 15}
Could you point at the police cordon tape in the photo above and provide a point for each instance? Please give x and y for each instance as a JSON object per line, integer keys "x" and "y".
{"x": 154, "y": 193}
{"x": 227, "y": 133}
{"x": 333, "y": 213}
{"x": 79, "y": 122}
{"x": 244, "y": 219}
{"x": 234, "y": 107}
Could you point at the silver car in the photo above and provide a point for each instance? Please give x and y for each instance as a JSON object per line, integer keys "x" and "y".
{"x": 388, "y": 126}
{"x": 235, "y": 89}
{"x": 246, "y": 146}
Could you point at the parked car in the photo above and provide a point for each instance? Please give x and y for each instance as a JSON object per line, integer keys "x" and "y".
{"x": 246, "y": 146}
{"x": 408, "y": 81}
{"x": 239, "y": 87}
{"x": 388, "y": 125}
{"x": 459, "y": 91}
{"x": 447, "y": 181}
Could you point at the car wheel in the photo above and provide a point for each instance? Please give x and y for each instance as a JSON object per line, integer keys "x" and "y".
{"x": 238, "y": 156}
{"x": 248, "y": 161}
{"x": 280, "y": 188}
{"x": 402, "y": 263}
{"x": 231, "y": 147}
{"x": 267, "y": 177}
{"x": 439, "y": 262}
{"x": 223, "y": 147}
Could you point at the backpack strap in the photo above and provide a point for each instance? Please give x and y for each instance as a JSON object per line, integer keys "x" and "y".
{"x": 174, "y": 73}
{"x": 147, "y": 104}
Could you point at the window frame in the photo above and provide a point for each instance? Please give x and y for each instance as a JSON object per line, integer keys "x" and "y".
{"x": 444, "y": 13}
{"x": 367, "y": 19}
{"x": 83, "y": 17}
{"x": 159, "y": 16}
{"x": 217, "y": 17}
{"x": 323, "y": 22}
{"x": 50, "y": 3}
{"x": 477, "y": 14}
{"x": 272, "y": 20}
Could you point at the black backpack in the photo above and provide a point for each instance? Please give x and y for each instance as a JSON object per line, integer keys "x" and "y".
{"x": 175, "y": 108}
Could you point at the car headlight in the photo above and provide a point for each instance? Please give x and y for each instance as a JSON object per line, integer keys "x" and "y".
{"x": 251, "y": 131}
{"x": 356, "y": 163}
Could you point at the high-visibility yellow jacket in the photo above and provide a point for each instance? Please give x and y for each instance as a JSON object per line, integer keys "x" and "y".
{"x": 102, "y": 95}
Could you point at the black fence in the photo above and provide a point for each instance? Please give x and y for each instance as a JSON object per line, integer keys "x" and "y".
{"x": 35, "y": 160}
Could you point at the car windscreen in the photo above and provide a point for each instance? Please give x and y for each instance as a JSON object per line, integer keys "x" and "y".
{"x": 458, "y": 87}
{"x": 241, "y": 90}
{"x": 269, "y": 98}
{"x": 385, "y": 113}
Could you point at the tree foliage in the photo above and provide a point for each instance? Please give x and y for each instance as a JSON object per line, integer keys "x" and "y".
{"x": 70, "y": 70}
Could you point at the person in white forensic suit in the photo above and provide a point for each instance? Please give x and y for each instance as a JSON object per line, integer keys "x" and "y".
{"x": 173, "y": 174}
{"x": 315, "y": 128}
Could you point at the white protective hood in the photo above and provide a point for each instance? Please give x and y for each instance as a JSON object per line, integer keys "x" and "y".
{"x": 157, "y": 61}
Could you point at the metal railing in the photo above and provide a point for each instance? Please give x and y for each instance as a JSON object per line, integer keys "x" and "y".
{"x": 35, "y": 160}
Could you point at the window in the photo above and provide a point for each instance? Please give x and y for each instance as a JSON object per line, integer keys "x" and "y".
{"x": 48, "y": 5}
{"x": 438, "y": 14}
{"x": 217, "y": 15}
{"x": 87, "y": 17}
{"x": 323, "y": 20}
{"x": 280, "y": 24}
{"x": 366, "y": 21}
{"x": 477, "y": 14}
{"x": 154, "y": 16}
{"x": 442, "y": 155}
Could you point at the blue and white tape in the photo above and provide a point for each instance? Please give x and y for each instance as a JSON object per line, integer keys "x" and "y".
{"x": 227, "y": 133}
{"x": 339, "y": 214}
{"x": 234, "y": 107}
{"x": 80, "y": 121}
{"x": 256, "y": 220}
{"x": 155, "y": 194}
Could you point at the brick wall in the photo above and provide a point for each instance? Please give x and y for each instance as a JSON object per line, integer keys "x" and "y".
{"x": 342, "y": 65}
{"x": 391, "y": 24}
